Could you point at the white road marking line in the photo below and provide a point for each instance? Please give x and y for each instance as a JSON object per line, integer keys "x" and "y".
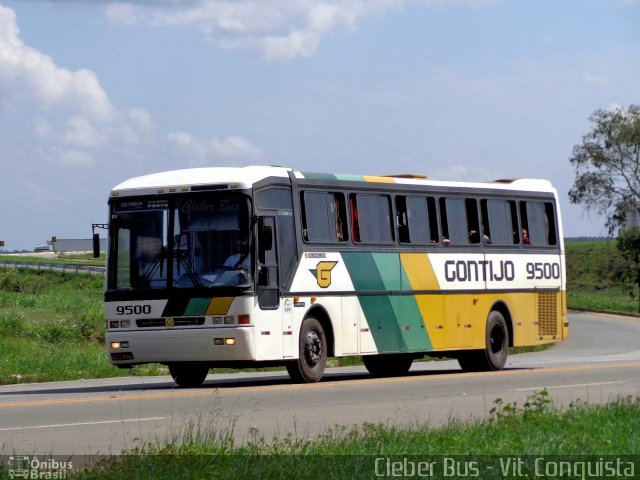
{"x": 547, "y": 387}
{"x": 104, "y": 422}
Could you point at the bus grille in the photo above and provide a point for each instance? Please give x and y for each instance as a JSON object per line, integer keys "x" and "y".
{"x": 177, "y": 322}
{"x": 547, "y": 314}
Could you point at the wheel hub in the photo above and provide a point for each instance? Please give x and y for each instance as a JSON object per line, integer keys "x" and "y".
{"x": 496, "y": 340}
{"x": 313, "y": 347}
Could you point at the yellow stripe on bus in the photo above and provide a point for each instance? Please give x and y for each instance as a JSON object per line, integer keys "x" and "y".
{"x": 219, "y": 306}
{"x": 373, "y": 178}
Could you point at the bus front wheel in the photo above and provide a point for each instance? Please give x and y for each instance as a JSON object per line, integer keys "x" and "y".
{"x": 387, "y": 365}
{"x": 494, "y": 355}
{"x": 188, "y": 374}
{"x": 312, "y": 353}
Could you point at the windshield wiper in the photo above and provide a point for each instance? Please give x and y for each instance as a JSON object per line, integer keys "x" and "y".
{"x": 182, "y": 260}
{"x": 157, "y": 263}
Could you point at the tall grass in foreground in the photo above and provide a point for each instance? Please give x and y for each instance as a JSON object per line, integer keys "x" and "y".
{"x": 536, "y": 429}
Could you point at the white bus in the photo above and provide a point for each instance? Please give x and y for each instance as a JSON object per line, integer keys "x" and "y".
{"x": 262, "y": 266}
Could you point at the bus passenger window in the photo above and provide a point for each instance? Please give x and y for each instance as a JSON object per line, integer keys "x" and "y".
{"x": 371, "y": 218}
{"x": 499, "y": 222}
{"x": 323, "y": 217}
{"x": 538, "y": 223}
{"x": 402, "y": 220}
{"x": 460, "y": 224}
{"x": 415, "y": 216}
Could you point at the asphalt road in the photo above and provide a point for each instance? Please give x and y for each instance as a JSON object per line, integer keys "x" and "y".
{"x": 599, "y": 362}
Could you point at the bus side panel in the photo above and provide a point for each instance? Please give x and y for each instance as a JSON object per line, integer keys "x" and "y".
{"x": 394, "y": 320}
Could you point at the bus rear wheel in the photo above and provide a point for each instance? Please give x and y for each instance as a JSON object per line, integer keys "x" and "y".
{"x": 187, "y": 374}
{"x": 312, "y": 353}
{"x": 494, "y": 355}
{"x": 387, "y": 365}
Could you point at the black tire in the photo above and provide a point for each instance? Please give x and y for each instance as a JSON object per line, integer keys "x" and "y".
{"x": 188, "y": 374}
{"x": 389, "y": 365}
{"x": 312, "y": 356}
{"x": 494, "y": 355}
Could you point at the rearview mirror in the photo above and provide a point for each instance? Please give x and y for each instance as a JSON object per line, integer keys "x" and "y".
{"x": 96, "y": 245}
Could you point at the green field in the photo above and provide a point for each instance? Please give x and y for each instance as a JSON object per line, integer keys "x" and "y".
{"x": 594, "y": 278}
{"x": 52, "y": 328}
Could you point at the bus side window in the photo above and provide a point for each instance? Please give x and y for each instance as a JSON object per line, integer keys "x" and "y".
{"x": 538, "y": 223}
{"x": 499, "y": 222}
{"x": 473, "y": 224}
{"x": 415, "y": 218}
{"x": 340, "y": 215}
{"x": 323, "y": 217}
{"x": 459, "y": 217}
{"x": 371, "y": 217}
{"x": 402, "y": 220}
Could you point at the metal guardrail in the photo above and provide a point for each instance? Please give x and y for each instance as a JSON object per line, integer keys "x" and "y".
{"x": 53, "y": 267}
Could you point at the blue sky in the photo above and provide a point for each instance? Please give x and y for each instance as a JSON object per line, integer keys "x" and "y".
{"x": 94, "y": 92}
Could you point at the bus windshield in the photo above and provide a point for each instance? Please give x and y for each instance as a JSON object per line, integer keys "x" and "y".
{"x": 187, "y": 242}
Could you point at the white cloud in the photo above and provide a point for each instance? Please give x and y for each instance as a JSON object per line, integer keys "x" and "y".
{"x": 67, "y": 112}
{"x": 278, "y": 29}
{"x": 22, "y": 67}
{"x": 213, "y": 148}
{"x": 71, "y": 119}
{"x": 81, "y": 133}
{"x": 121, "y": 13}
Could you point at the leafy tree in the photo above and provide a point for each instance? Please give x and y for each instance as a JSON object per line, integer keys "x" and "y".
{"x": 629, "y": 245}
{"x": 607, "y": 165}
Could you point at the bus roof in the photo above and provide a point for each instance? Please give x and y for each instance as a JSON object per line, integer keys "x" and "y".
{"x": 246, "y": 177}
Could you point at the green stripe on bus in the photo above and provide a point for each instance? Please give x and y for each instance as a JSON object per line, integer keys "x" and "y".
{"x": 349, "y": 178}
{"x": 197, "y": 306}
{"x": 378, "y": 309}
{"x": 415, "y": 336}
{"x": 394, "y": 320}
{"x": 318, "y": 176}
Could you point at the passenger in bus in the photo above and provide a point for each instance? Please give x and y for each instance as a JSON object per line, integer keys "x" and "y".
{"x": 485, "y": 236}
{"x": 238, "y": 261}
{"x": 525, "y": 237}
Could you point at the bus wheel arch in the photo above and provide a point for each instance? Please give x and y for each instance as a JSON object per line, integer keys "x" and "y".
{"x": 501, "y": 307}
{"x": 320, "y": 314}
{"x": 497, "y": 340}
{"x": 313, "y": 349}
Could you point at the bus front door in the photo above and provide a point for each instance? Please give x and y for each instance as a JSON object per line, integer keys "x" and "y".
{"x": 268, "y": 284}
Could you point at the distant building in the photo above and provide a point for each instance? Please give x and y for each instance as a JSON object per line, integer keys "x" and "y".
{"x": 76, "y": 245}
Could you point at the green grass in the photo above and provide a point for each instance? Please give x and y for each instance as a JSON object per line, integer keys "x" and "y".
{"x": 594, "y": 278}
{"x": 52, "y": 328}
{"x": 61, "y": 259}
{"x": 535, "y": 429}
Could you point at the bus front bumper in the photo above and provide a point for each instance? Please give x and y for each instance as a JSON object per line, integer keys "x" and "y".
{"x": 180, "y": 345}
